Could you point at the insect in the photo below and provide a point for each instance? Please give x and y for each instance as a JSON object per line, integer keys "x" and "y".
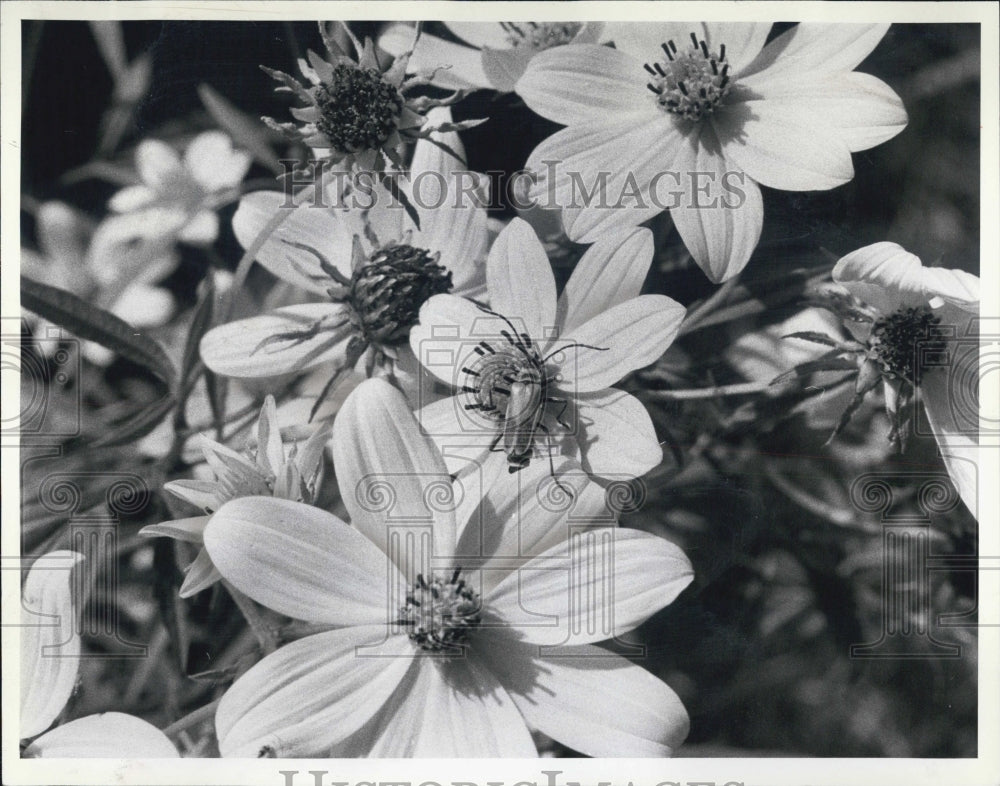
{"x": 511, "y": 386}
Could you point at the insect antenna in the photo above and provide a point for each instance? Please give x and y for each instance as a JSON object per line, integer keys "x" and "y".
{"x": 557, "y": 350}
{"x": 520, "y": 340}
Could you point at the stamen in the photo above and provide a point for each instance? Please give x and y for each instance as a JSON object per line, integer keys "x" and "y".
{"x": 690, "y": 83}
{"x": 441, "y": 614}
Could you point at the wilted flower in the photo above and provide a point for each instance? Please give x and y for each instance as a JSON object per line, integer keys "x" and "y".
{"x": 903, "y": 317}
{"x": 374, "y": 269}
{"x": 114, "y": 266}
{"x": 493, "y": 55}
{"x": 427, "y": 657}
{"x": 50, "y": 659}
{"x": 181, "y": 195}
{"x": 691, "y": 118}
{"x": 534, "y": 372}
{"x": 356, "y": 109}
{"x": 262, "y": 471}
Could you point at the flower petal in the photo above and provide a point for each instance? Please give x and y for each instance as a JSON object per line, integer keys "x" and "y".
{"x": 862, "y": 109}
{"x": 316, "y": 228}
{"x": 722, "y": 213}
{"x": 50, "y": 646}
{"x": 523, "y": 514}
{"x": 157, "y": 163}
{"x": 583, "y": 83}
{"x": 446, "y": 333}
{"x": 479, "y": 34}
{"x": 191, "y": 530}
{"x": 888, "y": 277}
{"x": 458, "y": 66}
{"x": 61, "y": 234}
{"x": 817, "y": 48}
{"x": 562, "y": 695}
{"x": 616, "y": 435}
{"x": 212, "y": 161}
{"x": 281, "y": 342}
{"x": 621, "y": 339}
{"x": 743, "y": 41}
{"x": 783, "y": 147}
{"x": 520, "y": 281}
{"x": 503, "y": 67}
{"x": 142, "y": 305}
{"x": 312, "y": 693}
{"x": 300, "y": 561}
{"x": 454, "y": 708}
{"x": 610, "y": 272}
{"x": 110, "y": 735}
{"x": 131, "y": 198}
{"x": 460, "y": 438}
{"x": 199, "y": 575}
{"x": 201, "y": 228}
{"x": 594, "y": 586}
{"x": 391, "y": 476}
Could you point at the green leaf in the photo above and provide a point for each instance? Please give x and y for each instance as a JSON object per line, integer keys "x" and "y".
{"x": 246, "y": 130}
{"x": 89, "y": 322}
{"x": 139, "y": 424}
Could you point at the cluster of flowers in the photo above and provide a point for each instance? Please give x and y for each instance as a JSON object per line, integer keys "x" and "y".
{"x": 470, "y": 408}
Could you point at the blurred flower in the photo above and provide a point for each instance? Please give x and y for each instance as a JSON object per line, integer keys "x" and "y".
{"x": 718, "y": 115}
{"x": 373, "y": 269}
{"x": 50, "y": 659}
{"x": 264, "y": 471}
{"x": 180, "y": 196}
{"x": 517, "y": 369}
{"x": 493, "y": 55}
{"x": 910, "y": 323}
{"x": 357, "y": 112}
{"x": 440, "y": 661}
{"x": 114, "y": 266}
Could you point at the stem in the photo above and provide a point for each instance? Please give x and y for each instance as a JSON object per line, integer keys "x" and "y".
{"x": 717, "y": 299}
{"x": 192, "y": 719}
{"x": 263, "y": 632}
{"x": 739, "y": 389}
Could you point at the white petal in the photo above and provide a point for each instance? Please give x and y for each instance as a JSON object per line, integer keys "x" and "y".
{"x": 503, "y": 67}
{"x": 317, "y": 228}
{"x": 132, "y": 198}
{"x": 596, "y": 585}
{"x": 817, "y": 47}
{"x": 199, "y": 575}
{"x": 643, "y": 40}
{"x": 616, "y": 435}
{"x": 214, "y": 164}
{"x": 479, "y": 34}
{"x": 454, "y": 709}
{"x": 721, "y": 214}
{"x": 202, "y": 228}
{"x": 520, "y": 281}
{"x": 300, "y": 561}
{"x": 610, "y": 272}
{"x": 781, "y": 147}
{"x": 312, "y": 693}
{"x": 523, "y": 514}
{"x": 864, "y": 110}
{"x": 391, "y": 476}
{"x": 584, "y": 83}
{"x": 448, "y": 329}
{"x": 591, "y": 700}
{"x": 50, "y": 646}
{"x": 142, "y": 305}
{"x": 743, "y": 40}
{"x": 157, "y": 162}
{"x": 459, "y": 66}
{"x": 110, "y": 735}
{"x": 191, "y": 530}
{"x": 459, "y": 437}
{"x": 888, "y": 277}
{"x": 61, "y": 233}
{"x": 621, "y": 339}
{"x": 250, "y": 347}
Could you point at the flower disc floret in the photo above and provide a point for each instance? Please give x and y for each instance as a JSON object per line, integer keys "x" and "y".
{"x": 358, "y": 109}
{"x": 691, "y": 83}
{"x": 894, "y": 339}
{"x": 441, "y": 613}
{"x": 540, "y": 35}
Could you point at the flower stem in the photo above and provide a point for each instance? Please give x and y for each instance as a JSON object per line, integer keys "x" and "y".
{"x": 739, "y": 389}
{"x": 717, "y": 299}
{"x": 265, "y": 635}
{"x": 192, "y": 719}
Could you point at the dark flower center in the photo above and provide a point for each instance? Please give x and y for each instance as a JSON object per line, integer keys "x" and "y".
{"x": 358, "y": 109}
{"x": 389, "y": 289}
{"x": 540, "y": 35}
{"x": 896, "y": 339}
{"x": 691, "y": 83}
{"x": 441, "y": 614}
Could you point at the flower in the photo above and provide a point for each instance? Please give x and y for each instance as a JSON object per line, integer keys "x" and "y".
{"x": 691, "y": 118}
{"x": 918, "y": 332}
{"x": 182, "y": 195}
{"x": 263, "y": 471}
{"x": 50, "y": 659}
{"x": 519, "y": 368}
{"x": 493, "y": 55}
{"x": 373, "y": 270}
{"x": 357, "y": 112}
{"x": 427, "y": 657}
{"x": 114, "y": 266}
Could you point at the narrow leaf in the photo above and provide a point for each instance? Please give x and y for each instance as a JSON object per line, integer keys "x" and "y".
{"x": 246, "y": 130}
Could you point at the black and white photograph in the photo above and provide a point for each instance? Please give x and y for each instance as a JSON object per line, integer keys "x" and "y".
{"x": 393, "y": 381}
